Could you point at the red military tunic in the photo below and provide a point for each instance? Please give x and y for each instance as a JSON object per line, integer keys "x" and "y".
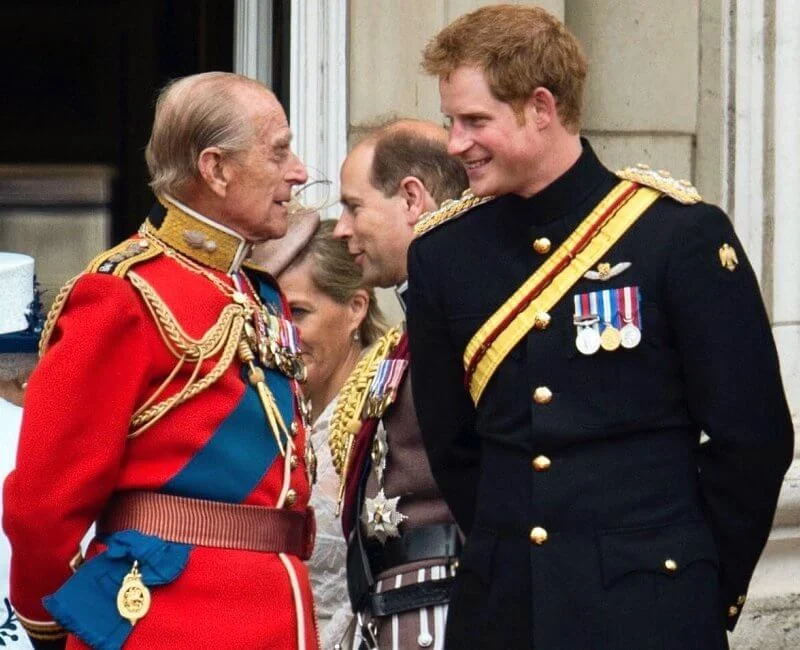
{"x": 111, "y": 348}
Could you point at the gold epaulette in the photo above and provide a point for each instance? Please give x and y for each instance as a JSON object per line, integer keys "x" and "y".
{"x": 346, "y": 419}
{"x": 449, "y": 210}
{"x": 681, "y": 190}
{"x": 119, "y": 260}
{"x": 116, "y": 261}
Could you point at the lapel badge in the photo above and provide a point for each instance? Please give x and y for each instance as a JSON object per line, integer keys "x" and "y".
{"x": 605, "y": 271}
{"x": 728, "y": 258}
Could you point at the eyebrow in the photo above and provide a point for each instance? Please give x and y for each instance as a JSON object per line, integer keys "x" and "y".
{"x": 348, "y": 201}
{"x": 283, "y": 140}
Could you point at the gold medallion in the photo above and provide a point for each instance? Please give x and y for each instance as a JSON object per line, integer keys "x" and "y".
{"x": 610, "y": 338}
{"x": 133, "y": 597}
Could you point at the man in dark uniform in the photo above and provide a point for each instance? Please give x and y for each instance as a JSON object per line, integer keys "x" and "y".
{"x": 402, "y": 539}
{"x": 572, "y": 337}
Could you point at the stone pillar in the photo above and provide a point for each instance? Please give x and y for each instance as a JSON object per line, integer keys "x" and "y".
{"x": 761, "y": 183}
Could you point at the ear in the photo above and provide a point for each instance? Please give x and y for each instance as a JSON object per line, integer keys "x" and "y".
{"x": 214, "y": 170}
{"x": 540, "y": 108}
{"x": 416, "y": 197}
{"x": 357, "y": 308}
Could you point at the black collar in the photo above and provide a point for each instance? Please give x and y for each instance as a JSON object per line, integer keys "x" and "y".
{"x": 567, "y": 192}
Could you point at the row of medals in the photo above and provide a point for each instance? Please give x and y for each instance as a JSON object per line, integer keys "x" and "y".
{"x": 589, "y": 340}
{"x": 265, "y": 342}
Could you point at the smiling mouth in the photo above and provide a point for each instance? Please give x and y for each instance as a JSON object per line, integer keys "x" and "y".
{"x": 476, "y": 164}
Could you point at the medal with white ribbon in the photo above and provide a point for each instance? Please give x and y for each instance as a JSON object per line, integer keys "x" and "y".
{"x": 631, "y": 332}
{"x": 586, "y": 320}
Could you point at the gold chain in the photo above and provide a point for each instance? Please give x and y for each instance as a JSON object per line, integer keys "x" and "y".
{"x": 54, "y": 313}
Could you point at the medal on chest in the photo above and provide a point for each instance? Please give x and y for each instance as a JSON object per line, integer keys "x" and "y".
{"x": 607, "y": 320}
{"x": 381, "y": 517}
{"x": 383, "y": 389}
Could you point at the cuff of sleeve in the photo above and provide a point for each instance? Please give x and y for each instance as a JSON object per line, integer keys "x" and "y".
{"x": 42, "y": 630}
{"x": 734, "y": 610}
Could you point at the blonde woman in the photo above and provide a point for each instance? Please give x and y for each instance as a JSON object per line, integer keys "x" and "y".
{"x": 338, "y": 319}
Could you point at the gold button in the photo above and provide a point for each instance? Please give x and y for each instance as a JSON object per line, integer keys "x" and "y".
{"x": 294, "y": 428}
{"x": 733, "y": 610}
{"x": 538, "y": 535}
{"x": 740, "y": 600}
{"x": 541, "y": 320}
{"x": 541, "y": 463}
{"x": 541, "y": 245}
{"x": 291, "y": 497}
{"x": 670, "y": 565}
{"x": 542, "y": 395}
{"x": 293, "y": 461}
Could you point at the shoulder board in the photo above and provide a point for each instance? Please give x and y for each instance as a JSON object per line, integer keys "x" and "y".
{"x": 347, "y": 415}
{"x": 449, "y": 210}
{"x": 680, "y": 190}
{"x": 119, "y": 260}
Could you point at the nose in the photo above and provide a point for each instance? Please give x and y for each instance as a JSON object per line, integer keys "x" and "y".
{"x": 458, "y": 142}
{"x": 296, "y": 174}
{"x": 343, "y": 228}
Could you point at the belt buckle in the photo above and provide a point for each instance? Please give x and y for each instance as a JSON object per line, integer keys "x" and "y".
{"x": 369, "y": 635}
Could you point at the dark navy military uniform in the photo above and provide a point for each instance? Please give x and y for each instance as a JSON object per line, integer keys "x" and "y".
{"x": 595, "y": 516}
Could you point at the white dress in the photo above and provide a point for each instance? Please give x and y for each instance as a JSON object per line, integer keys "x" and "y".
{"x": 327, "y": 564}
{"x": 12, "y": 636}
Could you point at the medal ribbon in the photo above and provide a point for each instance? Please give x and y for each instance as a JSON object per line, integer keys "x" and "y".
{"x": 630, "y": 306}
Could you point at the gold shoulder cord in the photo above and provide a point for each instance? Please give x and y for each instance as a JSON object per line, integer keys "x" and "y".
{"x": 346, "y": 420}
{"x": 225, "y": 334}
{"x": 54, "y": 313}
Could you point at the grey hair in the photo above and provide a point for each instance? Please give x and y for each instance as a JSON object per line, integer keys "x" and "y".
{"x": 194, "y": 113}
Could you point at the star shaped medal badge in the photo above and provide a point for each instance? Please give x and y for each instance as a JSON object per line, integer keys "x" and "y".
{"x": 381, "y": 517}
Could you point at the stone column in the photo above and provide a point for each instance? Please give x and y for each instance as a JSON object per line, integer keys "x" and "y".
{"x": 761, "y": 184}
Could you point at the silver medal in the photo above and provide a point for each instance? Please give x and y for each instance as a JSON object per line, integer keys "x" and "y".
{"x": 630, "y": 335}
{"x": 588, "y": 340}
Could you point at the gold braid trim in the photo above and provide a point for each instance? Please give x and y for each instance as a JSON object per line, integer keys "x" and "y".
{"x": 680, "y": 190}
{"x": 144, "y": 419}
{"x": 172, "y": 332}
{"x": 54, "y": 313}
{"x": 448, "y": 211}
{"x": 224, "y": 335}
{"x": 346, "y": 419}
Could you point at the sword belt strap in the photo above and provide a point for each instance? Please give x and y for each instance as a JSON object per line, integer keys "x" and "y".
{"x": 410, "y": 597}
{"x": 414, "y": 545}
{"x": 211, "y": 523}
{"x": 595, "y": 235}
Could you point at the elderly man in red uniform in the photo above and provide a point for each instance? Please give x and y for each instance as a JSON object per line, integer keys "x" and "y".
{"x": 166, "y": 409}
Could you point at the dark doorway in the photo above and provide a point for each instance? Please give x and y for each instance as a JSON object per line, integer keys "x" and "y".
{"x": 79, "y": 80}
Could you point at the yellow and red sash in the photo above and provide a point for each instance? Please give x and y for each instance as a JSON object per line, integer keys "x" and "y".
{"x": 596, "y": 234}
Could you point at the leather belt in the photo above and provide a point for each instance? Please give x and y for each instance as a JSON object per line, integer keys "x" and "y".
{"x": 211, "y": 523}
{"x": 414, "y": 545}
